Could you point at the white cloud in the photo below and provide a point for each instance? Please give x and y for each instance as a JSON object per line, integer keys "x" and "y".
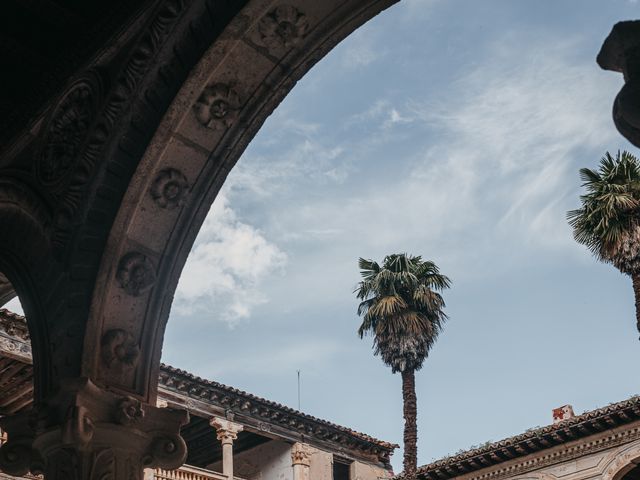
{"x": 226, "y": 266}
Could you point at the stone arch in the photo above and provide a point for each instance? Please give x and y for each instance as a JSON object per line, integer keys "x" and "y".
{"x": 623, "y": 461}
{"x": 232, "y": 88}
{"x": 26, "y": 216}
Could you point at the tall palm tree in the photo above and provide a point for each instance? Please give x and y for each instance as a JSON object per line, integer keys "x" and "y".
{"x": 403, "y": 311}
{"x": 609, "y": 220}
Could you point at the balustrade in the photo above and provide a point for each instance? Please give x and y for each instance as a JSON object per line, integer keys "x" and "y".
{"x": 187, "y": 472}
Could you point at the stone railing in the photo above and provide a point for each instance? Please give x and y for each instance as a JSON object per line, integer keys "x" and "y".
{"x": 187, "y": 472}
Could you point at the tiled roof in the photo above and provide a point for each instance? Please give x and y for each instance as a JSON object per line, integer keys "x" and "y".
{"x": 534, "y": 440}
{"x": 185, "y": 382}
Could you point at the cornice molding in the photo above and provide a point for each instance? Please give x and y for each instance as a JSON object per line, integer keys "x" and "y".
{"x": 559, "y": 456}
{"x": 271, "y": 413}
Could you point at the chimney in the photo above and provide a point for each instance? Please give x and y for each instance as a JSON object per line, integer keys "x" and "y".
{"x": 562, "y": 413}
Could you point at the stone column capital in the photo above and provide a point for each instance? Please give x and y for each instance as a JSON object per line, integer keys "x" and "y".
{"x": 300, "y": 454}
{"x": 226, "y": 429}
{"x": 84, "y": 431}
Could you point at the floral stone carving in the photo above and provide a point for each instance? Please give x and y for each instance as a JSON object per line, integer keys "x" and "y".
{"x": 81, "y": 434}
{"x": 169, "y": 189}
{"x": 283, "y": 27}
{"x": 67, "y": 131}
{"x": 135, "y": 273}
{"x": 129, "y": 411}
{"x": 217, "y": 107}
{"x": 119, "y": 350}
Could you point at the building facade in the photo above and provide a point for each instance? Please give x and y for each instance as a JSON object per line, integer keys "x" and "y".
{"x": 230, "y": 433}
{"x": 602, "y": 444}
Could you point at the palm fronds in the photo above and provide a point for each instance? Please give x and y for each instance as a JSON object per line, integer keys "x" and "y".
{"x": 401, "y": 308}
{"x": 609, "y": 217}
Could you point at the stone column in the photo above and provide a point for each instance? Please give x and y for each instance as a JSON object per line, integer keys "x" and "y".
{"x": 88, "y": 433}
{"x": 227, "y": 433}
{"x": 300, "y": 460}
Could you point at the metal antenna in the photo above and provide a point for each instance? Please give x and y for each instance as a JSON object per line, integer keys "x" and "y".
{"x": 299, "y": 390}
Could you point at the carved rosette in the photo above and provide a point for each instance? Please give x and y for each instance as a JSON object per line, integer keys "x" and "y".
{"x": 67, "y": 130}
{"x": 129, "y": 411}
{"x": 136, "y": 273}
{"x": 119, "y": 351}
{"x": 169, "y": 189}
{"x": 283, "y": 26}
{"x": 217, "y": 106}
{"x": 85, "y": 432}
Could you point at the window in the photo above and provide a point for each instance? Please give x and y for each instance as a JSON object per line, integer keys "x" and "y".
{"x": 341, "y": 467}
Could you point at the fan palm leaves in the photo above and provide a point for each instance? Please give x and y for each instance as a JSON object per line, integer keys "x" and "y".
{"x": 608, "y": 222}
{"x": 402, "y": 309}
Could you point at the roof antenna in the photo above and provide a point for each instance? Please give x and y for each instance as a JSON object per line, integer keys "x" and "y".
{"x": 299, "y": 391}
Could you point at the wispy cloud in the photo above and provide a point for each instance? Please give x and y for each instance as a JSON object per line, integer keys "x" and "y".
{"x": 363, "y": 49}
{"x": 495, "y": 162}
{"x": 515, "y": 137}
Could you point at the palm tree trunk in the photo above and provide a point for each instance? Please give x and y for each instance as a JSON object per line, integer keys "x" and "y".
{"x": 636, "y": 290}
{"x": 410, "y": 413}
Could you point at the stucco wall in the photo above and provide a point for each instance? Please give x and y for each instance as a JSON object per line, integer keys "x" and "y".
{"x": 269, "y": 461}
{"x": 365, "y": 471}
{"x": 321, "y": 464}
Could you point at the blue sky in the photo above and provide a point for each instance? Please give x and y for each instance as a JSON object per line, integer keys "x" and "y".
{"x": 448, "y": 129}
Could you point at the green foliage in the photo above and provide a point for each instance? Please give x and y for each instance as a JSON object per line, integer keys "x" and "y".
{"x": 401, "y": 308}
{"x": 608, "y": 221}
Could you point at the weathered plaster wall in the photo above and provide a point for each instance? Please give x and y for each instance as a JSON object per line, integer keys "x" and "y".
{"x": 269, "y": 461}
{"x": 365, "y": 471}
{"x": 320, "y": 465}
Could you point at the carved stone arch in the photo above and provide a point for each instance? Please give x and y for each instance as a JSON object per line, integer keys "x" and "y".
{"x": 229, "y": 92}
{"x": 623, "y": 461}
{"x": 131, "y": 157}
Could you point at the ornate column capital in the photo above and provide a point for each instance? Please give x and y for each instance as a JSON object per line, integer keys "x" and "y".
{"x": 620, "y": 52}
{"x": 85, "y": 432}
{"x": 300, "y": 454}
{"x": 226, "y": 429}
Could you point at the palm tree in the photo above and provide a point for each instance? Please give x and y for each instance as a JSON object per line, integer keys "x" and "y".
{"x": 609, "y": 220}
{"x": 403, "y": 312}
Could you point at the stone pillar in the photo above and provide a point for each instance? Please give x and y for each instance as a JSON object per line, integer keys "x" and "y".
{"x": 300, "y": 460}
{"x": 88, "y": 433}
{"x": 227, "y": 433}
